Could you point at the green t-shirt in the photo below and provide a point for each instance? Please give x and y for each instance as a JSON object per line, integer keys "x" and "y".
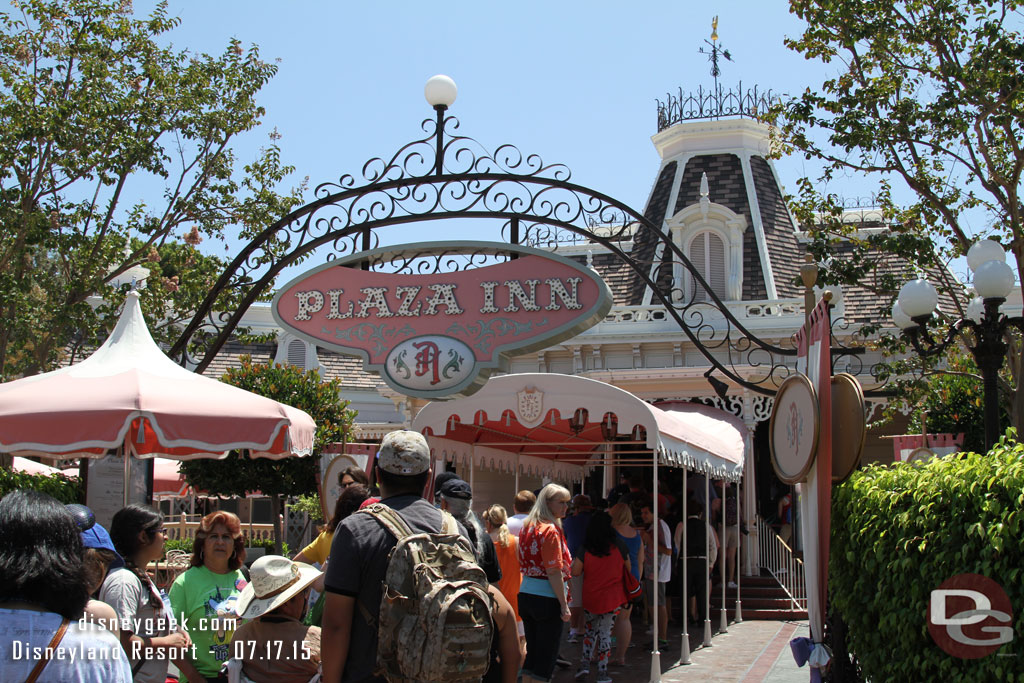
{"x": 204, "y": 603}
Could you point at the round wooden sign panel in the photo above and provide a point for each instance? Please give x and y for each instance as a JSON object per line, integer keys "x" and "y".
{"x": 793, "y": 431}
{"x": 921, "y": 455}
{"x": 849, "y": 427}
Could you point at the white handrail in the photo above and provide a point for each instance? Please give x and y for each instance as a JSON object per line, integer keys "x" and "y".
{"x": 777, "y": 557}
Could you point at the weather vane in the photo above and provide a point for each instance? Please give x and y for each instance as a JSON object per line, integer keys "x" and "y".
{"x": 716, "y": 49}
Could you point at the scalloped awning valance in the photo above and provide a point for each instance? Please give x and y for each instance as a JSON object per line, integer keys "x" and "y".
{"x": 566, "y": 420}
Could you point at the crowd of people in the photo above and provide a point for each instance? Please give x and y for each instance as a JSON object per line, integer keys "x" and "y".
{"x": 67, "y": 585}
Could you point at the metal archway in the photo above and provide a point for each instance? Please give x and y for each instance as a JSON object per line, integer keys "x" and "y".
{"x": 446, "y": 176}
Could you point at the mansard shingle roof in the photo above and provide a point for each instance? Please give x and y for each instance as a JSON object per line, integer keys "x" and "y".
{"x": 784, "y": 253}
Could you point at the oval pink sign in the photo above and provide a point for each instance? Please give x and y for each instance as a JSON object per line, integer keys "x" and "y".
{"x": 442, "y": 334}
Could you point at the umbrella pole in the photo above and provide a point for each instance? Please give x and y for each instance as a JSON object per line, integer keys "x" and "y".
{"x": 127, "y": 472}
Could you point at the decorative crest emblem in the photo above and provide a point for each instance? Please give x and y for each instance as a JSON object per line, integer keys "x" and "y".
{"x": 530, "y": 405}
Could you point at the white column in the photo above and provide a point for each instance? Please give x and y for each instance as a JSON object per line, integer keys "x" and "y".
{"x": 723, "y": 560}
{"x": 655, "y": 654}
{"x": 684, "y": 652}
{"x": 751, "y": 549}
{"x": 707, "y": 560}
{"x": 517, "y": 475}
{"x": 741, "y": 546}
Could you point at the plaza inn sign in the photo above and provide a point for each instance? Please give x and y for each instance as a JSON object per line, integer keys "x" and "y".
{"x": 442, "y": 333}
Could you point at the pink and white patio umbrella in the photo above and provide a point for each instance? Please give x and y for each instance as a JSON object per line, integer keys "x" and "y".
{"x": 131, "y": 397}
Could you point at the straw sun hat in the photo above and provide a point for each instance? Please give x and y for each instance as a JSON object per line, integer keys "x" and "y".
{"x": 274, "y": 580}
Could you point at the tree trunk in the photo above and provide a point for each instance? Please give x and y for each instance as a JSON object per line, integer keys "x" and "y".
{"x": 277, "y": 506}
{"x": 1017, "y": 409}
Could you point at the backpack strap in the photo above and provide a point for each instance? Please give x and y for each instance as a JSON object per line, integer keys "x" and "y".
{"x": 54, "y": 642}
{"x": 448, "y": 523}
{"x": 391, "y": 520}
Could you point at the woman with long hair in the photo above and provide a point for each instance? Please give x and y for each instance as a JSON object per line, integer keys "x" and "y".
{"x": 353, "y": 496}
{"x": 507, "y": 546}
{"x": 148, "y": 628}
{"x": 622, "y": 522}
{"x": 600, "y": 563}
{"x": 351, "y": 478}
{"x": 543, "y": 594}
{"x": 203, "y": 599}
{"x": 43, "y": 593}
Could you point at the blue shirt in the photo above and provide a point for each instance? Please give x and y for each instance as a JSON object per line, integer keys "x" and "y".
{"x": 633, "y": 546}
{"x": 575, "y": 529}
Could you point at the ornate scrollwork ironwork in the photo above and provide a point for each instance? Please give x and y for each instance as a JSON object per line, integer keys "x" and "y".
{"x": 444, "y": 176}
{"x": 714, "y": 104}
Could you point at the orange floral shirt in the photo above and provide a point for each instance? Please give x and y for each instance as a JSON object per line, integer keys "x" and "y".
{"x": 543, "y": 547}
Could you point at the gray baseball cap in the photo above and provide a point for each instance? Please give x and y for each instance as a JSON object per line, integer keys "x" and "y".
{"x": 404, "y": 452}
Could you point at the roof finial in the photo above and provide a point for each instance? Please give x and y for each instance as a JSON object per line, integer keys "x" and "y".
{"x": 705, "y": 199}
{"x": 716, "y": 49}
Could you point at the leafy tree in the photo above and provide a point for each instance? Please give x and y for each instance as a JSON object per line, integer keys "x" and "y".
{"x": 117, "y": 152}
{"x": 927, "y": 95}
{"x": 61, "y": 487}
{"x": 238, "y": 474}
{"x": 953, "y": 402}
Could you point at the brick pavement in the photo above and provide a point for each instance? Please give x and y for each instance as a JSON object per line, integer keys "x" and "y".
{"x": 751, "y": 652}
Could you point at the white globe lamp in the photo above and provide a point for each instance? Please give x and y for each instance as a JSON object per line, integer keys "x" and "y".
{"x": 993, "y": 280}
{"x": 440, "y": 91}
{"x": 901, "y": 319}
{"x": 918, "y": 298}
{"x": 983, "y": 251}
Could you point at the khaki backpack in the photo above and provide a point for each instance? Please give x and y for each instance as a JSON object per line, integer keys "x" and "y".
{"x": 435, "y": 613}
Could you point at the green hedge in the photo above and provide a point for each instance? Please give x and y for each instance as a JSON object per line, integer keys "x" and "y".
{"x": 899, "y": 531}
{"x": 186, "y": 545}
{"x": 57, "y": 485}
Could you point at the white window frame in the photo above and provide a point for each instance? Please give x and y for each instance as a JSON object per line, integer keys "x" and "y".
{"x": 284, "y": 341}
{"x": 728, "y": 225}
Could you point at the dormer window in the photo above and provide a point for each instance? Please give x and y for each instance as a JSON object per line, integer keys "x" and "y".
{"x": 706, "y": 252}
{"x": 711, "y": 236}
{"x": 297, "y": 352}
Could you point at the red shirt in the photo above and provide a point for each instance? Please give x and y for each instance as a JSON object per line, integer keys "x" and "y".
{"x": 541, "y": 547}
{"x": 602, "y": 582}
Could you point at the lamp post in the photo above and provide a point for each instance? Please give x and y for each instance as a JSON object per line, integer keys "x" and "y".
{"x": 440, "y": 92}
{"x": 993, "y": 281}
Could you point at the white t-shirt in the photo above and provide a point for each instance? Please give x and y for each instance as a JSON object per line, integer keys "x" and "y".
{"x": 123, "y": 591}
{"x": 664, "y": 561}
{"x": 87, "y": 653}
{"x": 515, "y": 524}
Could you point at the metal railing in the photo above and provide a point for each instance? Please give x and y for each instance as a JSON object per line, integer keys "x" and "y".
{"x": 777, "y": 557}
{"x": 742, "y": 310}
{"x": 184, "y": 527}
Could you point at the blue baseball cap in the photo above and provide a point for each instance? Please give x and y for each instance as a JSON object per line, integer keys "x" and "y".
{"x": 92, "y": 532}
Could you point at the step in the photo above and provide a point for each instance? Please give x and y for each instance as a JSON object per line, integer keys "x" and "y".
{"x": 759, "y": 581}
{"x": 770, "y": 614}
{"x": 756, "y": 592}
{"x": 757, "y": 603}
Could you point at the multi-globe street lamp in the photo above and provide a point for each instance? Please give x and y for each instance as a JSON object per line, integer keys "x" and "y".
{"x": 993, "y": 281}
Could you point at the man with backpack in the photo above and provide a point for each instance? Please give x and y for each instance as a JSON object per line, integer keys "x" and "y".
{"x": 363, "y": 566}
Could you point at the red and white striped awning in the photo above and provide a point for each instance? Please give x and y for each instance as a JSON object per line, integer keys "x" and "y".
{"x": 534, "y": 421}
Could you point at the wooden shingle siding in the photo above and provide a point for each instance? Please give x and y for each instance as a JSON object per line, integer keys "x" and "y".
{"x": 645, "y": 244}
{"x": 785, "y": 254}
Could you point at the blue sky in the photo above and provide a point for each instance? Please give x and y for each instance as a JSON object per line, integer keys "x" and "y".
{"x": 575, "y": 82}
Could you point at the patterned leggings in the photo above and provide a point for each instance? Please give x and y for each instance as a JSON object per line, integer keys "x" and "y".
{"x": 599, "y": 633}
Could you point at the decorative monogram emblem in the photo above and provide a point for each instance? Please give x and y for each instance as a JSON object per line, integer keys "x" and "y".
{"x": 530, "y": 405}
